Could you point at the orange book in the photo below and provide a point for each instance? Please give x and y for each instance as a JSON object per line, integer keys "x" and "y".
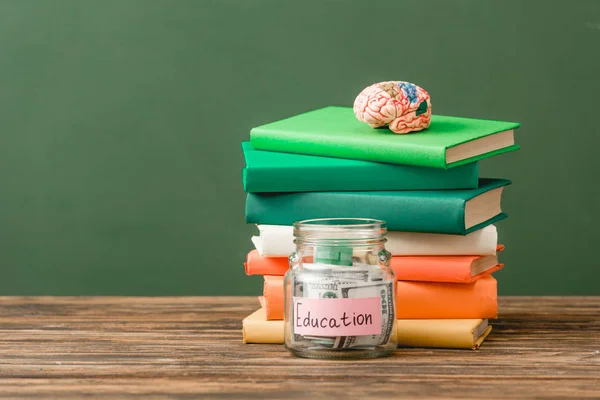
{"x": 272, "y": 300}
{"x": 433, "y": 300}
{"x": 257, "y": 265}
{"x": 416, "y": 300}
{"x": 458, "y": 269}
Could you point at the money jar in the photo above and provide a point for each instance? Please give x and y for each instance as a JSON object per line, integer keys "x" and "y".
{"x": 339, "y": 290}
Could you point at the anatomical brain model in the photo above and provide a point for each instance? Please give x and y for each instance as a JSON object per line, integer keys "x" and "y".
{"x": 404, "y": 106}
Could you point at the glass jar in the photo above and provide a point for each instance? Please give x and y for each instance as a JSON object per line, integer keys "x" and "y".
{"x": 340, "y": 291}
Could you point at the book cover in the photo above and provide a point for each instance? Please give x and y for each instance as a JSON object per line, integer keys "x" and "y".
{"x": 336, "y": 132}
{"x": 278, "y": 241}
{"x": 453, "y": 269}
{"x": 432, "y": 211}
{"x": 268, "y": 171}
{"x": 418, "y": 300}
{"x": 444, "y": 333}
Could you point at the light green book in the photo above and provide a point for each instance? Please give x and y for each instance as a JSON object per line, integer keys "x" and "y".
{"x": 335, "y": 132}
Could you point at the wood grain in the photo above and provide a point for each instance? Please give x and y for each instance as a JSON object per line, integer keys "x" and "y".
{"x": 190, "y": 347}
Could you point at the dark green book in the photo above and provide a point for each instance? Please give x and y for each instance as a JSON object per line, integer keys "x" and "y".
{"x": 335, "y": 132}
{"x": 437, "y": 211}
{"x": 268, "y": 171}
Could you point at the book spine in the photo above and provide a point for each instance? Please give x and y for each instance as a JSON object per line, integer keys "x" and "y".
{"x": 262, "y": 332}
{"x": 283, "y": 178}
{"x": 273, "y": 297}
{"x": 289, "y": 178}
{"x": 257, "y": 265}
{"x": 256, "y": 329}
{"x": 276, "y": 240}
{"x": 366, "y": 177}
{"x": 409, "y": 213}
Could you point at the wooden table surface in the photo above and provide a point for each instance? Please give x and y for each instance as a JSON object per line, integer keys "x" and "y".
{"x": 190, "y": 347}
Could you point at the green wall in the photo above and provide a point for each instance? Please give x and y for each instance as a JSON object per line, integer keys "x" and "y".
{"x": 120, "y": 163}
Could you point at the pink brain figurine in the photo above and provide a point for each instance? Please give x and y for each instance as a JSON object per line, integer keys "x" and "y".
{"x": 403, "y": 106}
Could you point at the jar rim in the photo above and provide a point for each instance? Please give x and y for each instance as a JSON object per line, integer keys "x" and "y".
{"x": 327, "y": 229}
{"x": 345, "y": 222}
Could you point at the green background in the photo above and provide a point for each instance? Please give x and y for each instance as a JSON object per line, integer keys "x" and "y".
{"x": 120, "y": 163}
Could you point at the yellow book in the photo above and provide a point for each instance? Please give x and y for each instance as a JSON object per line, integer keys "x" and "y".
{"x": 441, "y": 333}
{"x": 256, "y": 328}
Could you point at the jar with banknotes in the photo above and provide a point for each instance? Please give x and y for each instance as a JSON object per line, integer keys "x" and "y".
{"x": 339, "y": 291}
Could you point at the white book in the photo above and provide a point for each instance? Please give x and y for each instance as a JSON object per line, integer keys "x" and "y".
{"x": 278, "y": 241}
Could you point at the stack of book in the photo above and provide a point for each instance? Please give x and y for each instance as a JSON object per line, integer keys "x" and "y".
{"x": 440, "y": 215}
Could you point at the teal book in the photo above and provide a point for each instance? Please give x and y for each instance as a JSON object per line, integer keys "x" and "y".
{"x": 268, "y": 171}
{"x": 336, "y": 132}
{"x": 455, "y": 212}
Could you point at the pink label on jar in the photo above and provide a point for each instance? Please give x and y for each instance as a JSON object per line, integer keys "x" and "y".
{"x": 337, "y": 317}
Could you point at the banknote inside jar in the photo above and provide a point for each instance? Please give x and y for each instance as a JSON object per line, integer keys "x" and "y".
{"x": 355, "y": 281}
